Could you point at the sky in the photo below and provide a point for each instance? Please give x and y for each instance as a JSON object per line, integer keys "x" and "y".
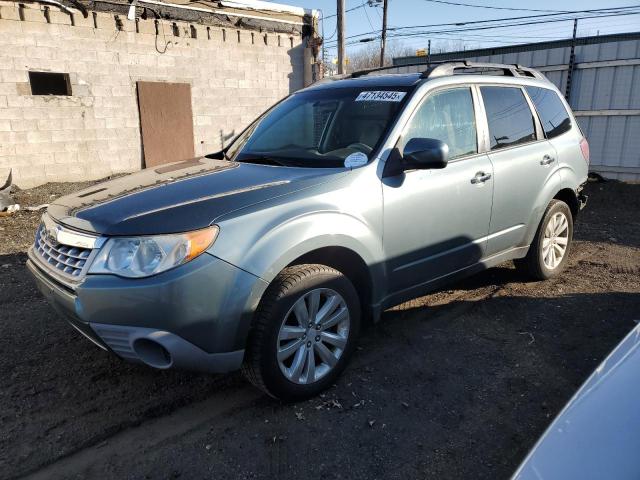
{"x": 367, "y": 21}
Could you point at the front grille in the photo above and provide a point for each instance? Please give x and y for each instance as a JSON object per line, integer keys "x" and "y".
{"x": 69, "y": 260}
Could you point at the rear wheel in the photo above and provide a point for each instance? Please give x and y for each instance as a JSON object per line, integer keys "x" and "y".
{"x": 303, "y": 333}
{"x": 550, "y": 248}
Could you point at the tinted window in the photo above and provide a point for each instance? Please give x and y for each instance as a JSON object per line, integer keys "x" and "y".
{"x": 446, "y": 116}
{"x": 320, "y": 127}
{"x": 509, "y": 116}
{"x": 554, "y": 117}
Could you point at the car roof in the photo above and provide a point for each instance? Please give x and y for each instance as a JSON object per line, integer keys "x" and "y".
{"x": 375, "y": 78}
{"x": 387, "y": 80}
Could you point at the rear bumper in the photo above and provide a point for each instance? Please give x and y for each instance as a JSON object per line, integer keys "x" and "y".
{"x": 195, "y": 317}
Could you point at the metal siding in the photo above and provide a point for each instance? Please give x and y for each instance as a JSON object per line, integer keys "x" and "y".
{"x": 614, "y": 139}
{"x": 628, "y": 49}
{"x": 621, "y": 91}
{"x": 631, "y": 150}
{"x": 634, "y": 93}
{"x": 604, "y": 84}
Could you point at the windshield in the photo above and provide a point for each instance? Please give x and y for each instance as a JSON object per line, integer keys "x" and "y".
{"x": 320, "y": 128}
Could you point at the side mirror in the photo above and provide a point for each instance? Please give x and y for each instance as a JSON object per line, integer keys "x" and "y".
{"x": 424, "y": 153}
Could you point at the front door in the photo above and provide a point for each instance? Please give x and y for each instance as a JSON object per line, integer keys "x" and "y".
{"x": 436, "y": 221}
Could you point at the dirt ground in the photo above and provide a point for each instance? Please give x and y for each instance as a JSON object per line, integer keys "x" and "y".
{"x": 457, "y": 384}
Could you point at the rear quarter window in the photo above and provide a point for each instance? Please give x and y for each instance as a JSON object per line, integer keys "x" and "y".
{"x": 508, "y": 115}
{"x": 553, "y": 115}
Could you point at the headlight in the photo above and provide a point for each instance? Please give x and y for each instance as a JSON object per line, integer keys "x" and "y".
{"x": 137, "y": 257}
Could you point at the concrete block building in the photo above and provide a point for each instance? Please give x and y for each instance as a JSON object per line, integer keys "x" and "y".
{"x": 86, "y": 92}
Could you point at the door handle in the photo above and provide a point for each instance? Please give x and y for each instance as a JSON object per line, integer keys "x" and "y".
{"x": 547, "y": 160}
{"x": 480, "y": 177}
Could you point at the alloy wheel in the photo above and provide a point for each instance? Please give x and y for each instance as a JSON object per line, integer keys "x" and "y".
{"x": 313, "y": 336}
{"x": 555, "y": 241}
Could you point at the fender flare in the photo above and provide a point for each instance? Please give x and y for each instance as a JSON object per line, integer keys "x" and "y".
{"x": 555, "y": 183}
{"x": 277, "y": 248}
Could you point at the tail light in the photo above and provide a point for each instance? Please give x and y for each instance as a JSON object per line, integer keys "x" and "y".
{"x": 584, "y": 146}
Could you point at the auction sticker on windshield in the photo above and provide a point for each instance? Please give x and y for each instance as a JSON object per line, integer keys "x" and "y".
{"x": 380, "y": 96}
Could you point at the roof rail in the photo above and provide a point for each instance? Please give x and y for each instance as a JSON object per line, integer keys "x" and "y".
{"x": 448, "y": 68}
{"x": 361, "y": 73}
{"x": 441, "y": 69}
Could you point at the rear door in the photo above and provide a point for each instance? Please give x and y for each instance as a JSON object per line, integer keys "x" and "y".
{"x": 559, "y": 128}
{"x": 436, "y": 221}
{"x": 523, "y": 160}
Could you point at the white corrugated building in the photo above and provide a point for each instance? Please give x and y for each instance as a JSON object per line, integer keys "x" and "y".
{"x": 604, "y": 91}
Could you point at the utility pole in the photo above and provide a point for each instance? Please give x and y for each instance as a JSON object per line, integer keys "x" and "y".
{"x": 384, "y": 31}
{"x": 340, "y": 27}
{"x": 429, "y": 53}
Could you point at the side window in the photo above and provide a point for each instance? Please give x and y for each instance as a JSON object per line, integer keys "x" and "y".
{"x": 554, "y": 117}
{"x": 509, "y": 116}
{"x": 448, "y": 116}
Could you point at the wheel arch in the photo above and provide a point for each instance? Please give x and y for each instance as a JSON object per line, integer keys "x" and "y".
{"x": 350, "y": 264}
{"x": 568, "y": 196}
{"x": 556, "y": 187}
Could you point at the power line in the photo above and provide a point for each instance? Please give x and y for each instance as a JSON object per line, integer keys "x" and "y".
{"x": 429, "y": 33}
{"x": 457, "y": 4}
{"x": 346, "y": 11}
{"x": 554, "y": 20}
{"x": 611, "y": 11}
{"x": 475, "y": 22}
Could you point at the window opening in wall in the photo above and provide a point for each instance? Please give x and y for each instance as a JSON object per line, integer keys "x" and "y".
{"x": 266, "y": 41}
{"x": 21, "y": 8}
{"x": 224, "y": 35}
{"x": 119, "y": 25}
{"x": 49, "y": 83}
{"x": 175, "y": 29}
{"x": 193, "y": 31}
{"x": 291, "y": 41}
{"x": 279, "y": 44}
{"x": 72, "y": 19}
{"x": 208, "y": 33}
{"x": 157, "y": 24}
{"x": 253, "y": 38}
{"x": 137, "y": 25}
{"x": 47, "y": 14}
{"x": 95, "y": 19}
{"x": 238, "y": 36}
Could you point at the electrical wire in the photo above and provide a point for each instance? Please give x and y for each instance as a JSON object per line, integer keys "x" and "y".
{"x": 394, "y": 34}
{"x": 347, "y": 10}
{"x": 489, "y": 7}
{"x": 373, "y": 29}
{"x": 476, "y": 22}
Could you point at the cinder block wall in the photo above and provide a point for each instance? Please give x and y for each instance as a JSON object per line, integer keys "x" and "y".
{"x": 234, "y": 76}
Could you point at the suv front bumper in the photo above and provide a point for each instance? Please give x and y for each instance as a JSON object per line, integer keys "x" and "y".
{"x": 195, "y": 316}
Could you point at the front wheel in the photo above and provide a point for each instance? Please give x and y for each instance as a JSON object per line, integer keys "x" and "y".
{"x": 303, "y": 333}
{"x": 550, "y": 248}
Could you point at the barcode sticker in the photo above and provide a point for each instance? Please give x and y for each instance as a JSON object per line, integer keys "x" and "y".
{"x": 380, "y": 96}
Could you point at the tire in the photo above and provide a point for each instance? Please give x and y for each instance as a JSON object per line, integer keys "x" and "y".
{"x": 277, "y": 331}
{"x": 538, "y": 264}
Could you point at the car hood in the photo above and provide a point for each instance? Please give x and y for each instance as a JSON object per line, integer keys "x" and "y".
{"x": 181, "y": 196}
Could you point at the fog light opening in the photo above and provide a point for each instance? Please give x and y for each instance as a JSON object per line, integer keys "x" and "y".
{"x": 152, "y": 353}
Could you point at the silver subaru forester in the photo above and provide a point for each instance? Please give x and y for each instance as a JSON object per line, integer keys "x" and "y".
{"x": 342, "y": 200}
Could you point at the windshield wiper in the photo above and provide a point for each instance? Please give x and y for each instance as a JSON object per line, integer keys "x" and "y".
{"x": 261, "y": 160}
